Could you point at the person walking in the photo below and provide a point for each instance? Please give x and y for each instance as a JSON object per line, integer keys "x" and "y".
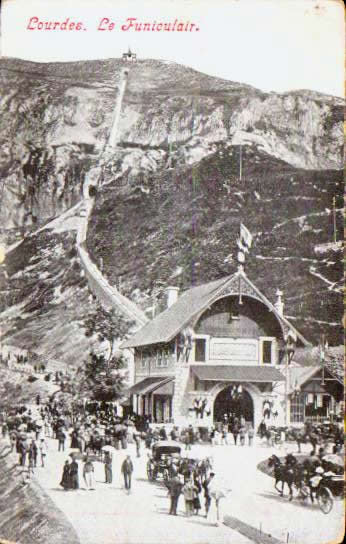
{"x": 33, "y": 453}
{"x": 224, "y": 435}
{"x": 61, "y": 436}
{"x": 74, "y": 479}
{"x": 43, "y": 451}
{"x": 127, "y": 470}
{"x": 242, "y": 434}
{"x": 298, "y": 437}
{"x": 196, "y": 501}
{"x": 235, "y": 431}
{"x": 13, "y": 441}
{"x": 88, "y": 474}
{"x": 65, "y": 479}
{"x": 174, "y": 486}
{"x": 207, "y": 496}
{"x": 137, "y": 440}
{"x": 313, "y": 436}
{"x": 251, "y": 434}
{"x": 108, "y": 467}
{"x": 23, "y": 449}
{"x": 188, "y": 492}
{"x": 262, "y": 429}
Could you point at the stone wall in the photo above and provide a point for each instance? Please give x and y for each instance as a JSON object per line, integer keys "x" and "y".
{"x": 27, "y": 514}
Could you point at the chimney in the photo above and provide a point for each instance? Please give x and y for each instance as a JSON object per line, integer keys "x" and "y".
{"x": 279, "y": 305}
{"x": 172, "y": 295}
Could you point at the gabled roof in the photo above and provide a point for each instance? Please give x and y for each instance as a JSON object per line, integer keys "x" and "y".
{"x": 301, "y": 374}
{"x": 169, "y": 323}
{"x": 190, "y": 304}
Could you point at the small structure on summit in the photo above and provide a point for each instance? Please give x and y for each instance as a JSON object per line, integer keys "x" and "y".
{"x": 129, "y": 56}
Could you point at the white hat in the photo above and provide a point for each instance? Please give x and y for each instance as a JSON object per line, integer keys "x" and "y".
{"x": 319, "y": 470}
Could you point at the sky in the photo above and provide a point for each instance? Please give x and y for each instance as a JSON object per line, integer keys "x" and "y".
{"x": 275, "y": 45}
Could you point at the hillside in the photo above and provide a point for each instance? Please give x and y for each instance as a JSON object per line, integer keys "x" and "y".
{"x": 169, "y": 201}
{"x": 47, "y": 297}
{"x": 181, "y": 225}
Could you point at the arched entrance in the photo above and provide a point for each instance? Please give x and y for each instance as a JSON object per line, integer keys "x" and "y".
{"x": 228, "y": 401}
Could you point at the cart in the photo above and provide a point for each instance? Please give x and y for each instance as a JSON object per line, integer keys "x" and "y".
{"x": 161, "y": 458}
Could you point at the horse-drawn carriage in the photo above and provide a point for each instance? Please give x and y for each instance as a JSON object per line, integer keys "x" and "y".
{"x": 164, "y": 454}
{"x": 327, "y": 487}
{"x": 320, "y": 479}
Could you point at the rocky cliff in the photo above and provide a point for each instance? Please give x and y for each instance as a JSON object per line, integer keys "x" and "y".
{"x": 56, "y": 119}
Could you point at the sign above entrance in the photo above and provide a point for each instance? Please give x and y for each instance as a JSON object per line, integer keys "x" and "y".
{"x": 231, "y": 349}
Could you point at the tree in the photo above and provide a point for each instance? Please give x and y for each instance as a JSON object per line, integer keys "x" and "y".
{"x": 107, "y": 325}
{"x": 102, "y": 379}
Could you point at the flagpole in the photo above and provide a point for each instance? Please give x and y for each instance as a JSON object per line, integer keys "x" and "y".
{"x": 240, "y": 163}
{"x": 334, "y": 219}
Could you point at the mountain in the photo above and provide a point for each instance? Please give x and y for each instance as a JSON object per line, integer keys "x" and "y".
{"x": 170, "y": 198}
{"x": 183, "y": 230}
{"x": 56, "y": 119}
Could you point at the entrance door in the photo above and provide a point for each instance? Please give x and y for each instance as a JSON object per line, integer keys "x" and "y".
{"x": 226, "y": 402}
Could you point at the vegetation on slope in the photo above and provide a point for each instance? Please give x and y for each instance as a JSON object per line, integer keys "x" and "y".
{"x": 180, "y": 226}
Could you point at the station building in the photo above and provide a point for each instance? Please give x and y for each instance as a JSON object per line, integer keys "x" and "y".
{"x": 221, "y": 348}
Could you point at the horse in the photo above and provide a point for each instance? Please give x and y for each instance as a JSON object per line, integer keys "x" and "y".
{"x": 284, "y": 473}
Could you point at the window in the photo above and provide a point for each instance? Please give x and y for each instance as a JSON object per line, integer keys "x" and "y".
{"x": 268, "y": 351}
{"x": 162, "y": 359}
{"x": 200, "y": 350}
{"x": 297, "y": 404}
{"x": 143, "y": 360}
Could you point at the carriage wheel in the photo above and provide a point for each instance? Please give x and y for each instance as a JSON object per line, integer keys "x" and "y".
{"x": 149, "y": 471}
{"x": 325, "y": 500}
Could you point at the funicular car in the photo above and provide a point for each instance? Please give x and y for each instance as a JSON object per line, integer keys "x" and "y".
{"x": 163, "y": 454}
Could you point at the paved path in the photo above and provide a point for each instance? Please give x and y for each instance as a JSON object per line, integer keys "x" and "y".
{"x": 108, "y": 515}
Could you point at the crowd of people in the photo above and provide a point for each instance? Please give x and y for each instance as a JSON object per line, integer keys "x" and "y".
{"x": 94, "y": 433}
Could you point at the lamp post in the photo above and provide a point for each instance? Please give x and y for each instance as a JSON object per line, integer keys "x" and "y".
{"x": 289, "y": 352}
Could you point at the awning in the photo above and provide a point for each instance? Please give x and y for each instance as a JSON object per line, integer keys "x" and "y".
{"x": 235, "y": 373}
{"x": 148, "y": 385}
{"x": 165, "y": 389}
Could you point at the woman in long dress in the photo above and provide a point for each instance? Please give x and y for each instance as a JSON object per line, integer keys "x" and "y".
{"x": 74, "y": 479}
{"x": 65, "y": 479}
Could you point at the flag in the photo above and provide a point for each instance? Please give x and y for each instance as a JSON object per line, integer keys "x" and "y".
{"x": 243, "y": 247}
{"x": 245, "y": 236}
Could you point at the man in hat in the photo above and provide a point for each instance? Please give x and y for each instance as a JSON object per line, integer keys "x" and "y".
{"x": 174, "y": 486}
{"x": 127, "y": 470}
{"x": 108, "y": 467}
